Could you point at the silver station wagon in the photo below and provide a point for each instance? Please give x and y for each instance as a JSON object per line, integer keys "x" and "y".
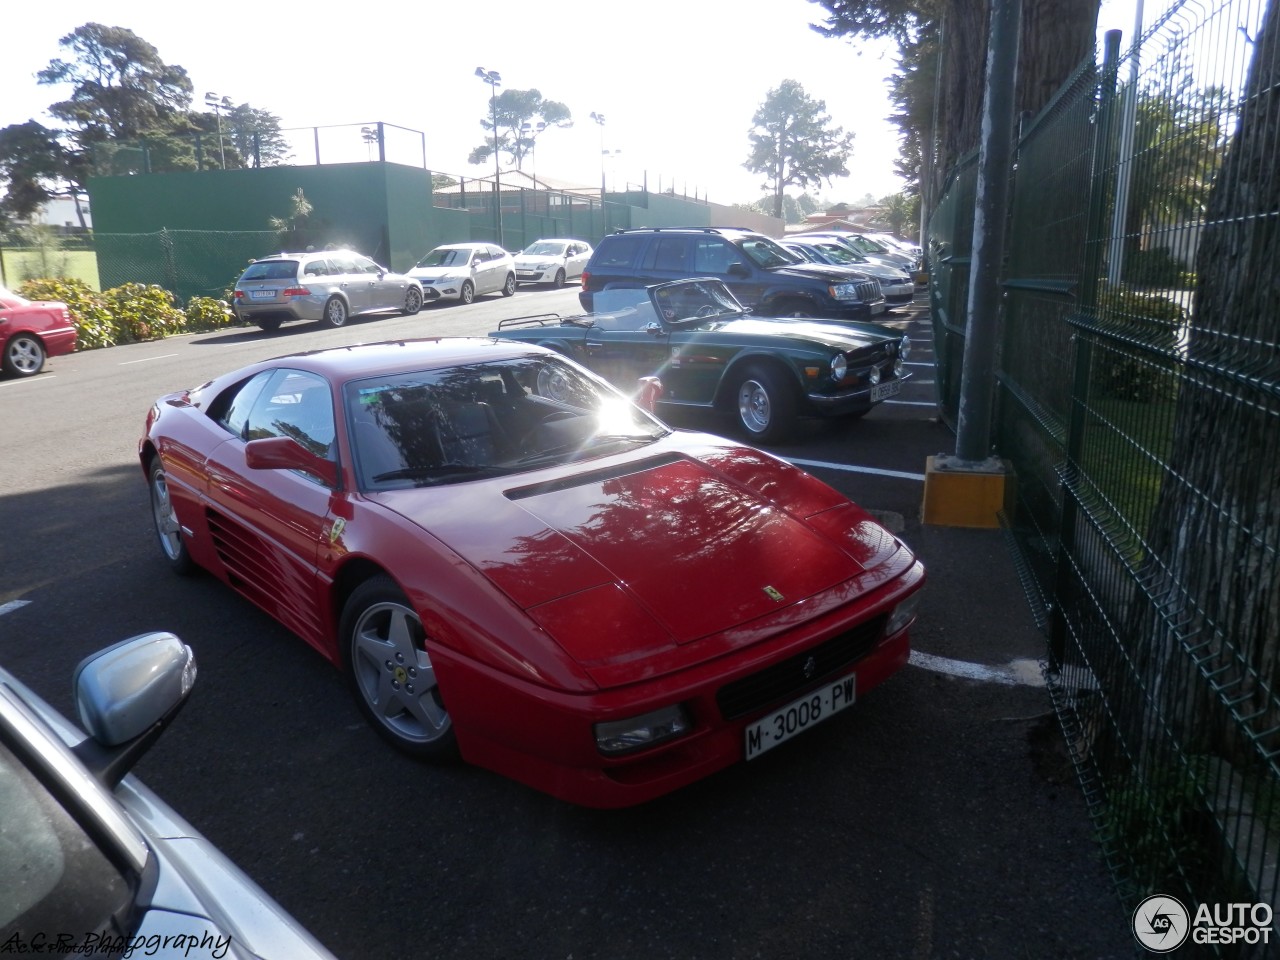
{"x": 325, "y": 285}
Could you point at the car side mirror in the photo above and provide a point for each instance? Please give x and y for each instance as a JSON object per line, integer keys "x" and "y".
{"x": 653, "y": 328}
{"x": 286, "y": 453}
{"x": 125, "y": 695}
{"x": 737, "y": 269}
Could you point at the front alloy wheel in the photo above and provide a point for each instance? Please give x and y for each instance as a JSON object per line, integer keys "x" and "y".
{"x": 391, "y": 672}
{"x": 412, "y": 302}
{"x": 335, "y": 312}
{"x": 509, "y": 288}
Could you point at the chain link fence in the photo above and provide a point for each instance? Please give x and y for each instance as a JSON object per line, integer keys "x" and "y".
{"x": 1138, "y": 392}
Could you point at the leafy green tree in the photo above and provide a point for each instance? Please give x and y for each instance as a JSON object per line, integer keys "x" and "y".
{"x": 901, "y": 213}
{"x": 256, "y": 132}
{"x": 522, "y": 116}
{"x": 942, "y": 48}
{"x": 31, "y": 165}
{"x": 793, "y": 142}
{"x": 120, "y": 87}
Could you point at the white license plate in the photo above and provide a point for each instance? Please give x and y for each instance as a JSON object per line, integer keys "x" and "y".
{"x": 262, "y": 294}
{"x": 799, "y": 715}
{"x": 882, "y": 390}
{"x": 878, "y": 308}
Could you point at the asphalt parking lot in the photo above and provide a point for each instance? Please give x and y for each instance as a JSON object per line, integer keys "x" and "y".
{"x": 934, "y": 820}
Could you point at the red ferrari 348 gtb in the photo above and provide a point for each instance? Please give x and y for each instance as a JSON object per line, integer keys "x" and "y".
{"x": 514, "y": 562}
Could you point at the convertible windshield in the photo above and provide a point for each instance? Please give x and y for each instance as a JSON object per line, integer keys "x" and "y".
{"x": 545, "y": 248}
{"x": 486, "y": 419}
{"x": 445, "y": 257}
{"x": 695, "y": 300}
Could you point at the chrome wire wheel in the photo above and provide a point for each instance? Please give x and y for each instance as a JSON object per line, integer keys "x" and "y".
{"x": 755, "y": 409}
{"x": 392, "y": 673}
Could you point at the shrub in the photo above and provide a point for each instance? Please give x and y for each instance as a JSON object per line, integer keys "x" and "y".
{"x": 144, "y": 312}
{"x": 206, "y": 313}
{"x": 89, "y": 310}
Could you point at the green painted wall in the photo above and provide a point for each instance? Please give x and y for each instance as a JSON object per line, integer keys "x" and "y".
{"x": 193, "y": 231}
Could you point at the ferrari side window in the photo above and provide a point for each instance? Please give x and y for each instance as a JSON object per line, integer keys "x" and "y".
{"x": 236, "y": 417}
{"x": 298, "y": 405}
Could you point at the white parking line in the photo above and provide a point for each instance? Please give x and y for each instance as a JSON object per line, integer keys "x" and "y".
{"x": 851, "y": 468}
{"x": 12, "y": 605}
{"x": 1019, "y": 673}
{"x": 147, "y": 359}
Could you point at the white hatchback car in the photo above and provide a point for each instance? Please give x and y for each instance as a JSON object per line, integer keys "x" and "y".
{"x": 464, "y": 271}
{"x": 552, "y": 261}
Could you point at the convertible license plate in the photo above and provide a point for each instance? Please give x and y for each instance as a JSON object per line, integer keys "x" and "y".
{"x": 883, "y": 390}
{"x": 262, "y": 294}
{"x": 799, "y": 715}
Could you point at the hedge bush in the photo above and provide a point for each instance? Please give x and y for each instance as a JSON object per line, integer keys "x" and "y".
{"x": 128, "y": 314}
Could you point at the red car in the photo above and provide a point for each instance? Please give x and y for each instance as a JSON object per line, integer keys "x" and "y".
{"x": 514, "y": 562}
{"x": 30, "y": 331}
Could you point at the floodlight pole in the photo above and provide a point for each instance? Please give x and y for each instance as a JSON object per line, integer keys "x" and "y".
{"x": 493, "y": 78}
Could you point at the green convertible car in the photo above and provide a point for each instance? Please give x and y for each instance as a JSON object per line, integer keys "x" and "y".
{"x": 705, "y": 351}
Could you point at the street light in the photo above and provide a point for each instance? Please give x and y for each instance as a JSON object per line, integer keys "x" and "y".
{"x": 493, "y": 78}
{"x": 599, "y": 119}
{"x": 219, "y": 104}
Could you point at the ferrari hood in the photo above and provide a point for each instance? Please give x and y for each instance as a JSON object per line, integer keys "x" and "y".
{"x": 695, "y": 549}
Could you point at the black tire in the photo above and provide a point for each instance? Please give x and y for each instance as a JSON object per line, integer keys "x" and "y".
{"x": 384, "y": 649}
{"x": 24, "y": 355}
{"x": 765, "y": 404}
{"x": 509, "y": 288}
{"x": 412, "y": 302}
{"x": 335, "y": 312}
{"x": 269, "y": 326}
{"x": 168, "y": 529}
{"x": 558, "y": 282}
{"x": 468, "y": 292}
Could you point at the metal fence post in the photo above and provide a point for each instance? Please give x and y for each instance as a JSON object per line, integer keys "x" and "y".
{"x": 973, "y": 427}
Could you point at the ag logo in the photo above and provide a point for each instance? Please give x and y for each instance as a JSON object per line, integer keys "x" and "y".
{"x": 1161, "y": 924}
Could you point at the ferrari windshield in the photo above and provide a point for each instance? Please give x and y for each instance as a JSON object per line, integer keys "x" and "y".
{"x": 486, "y": 419}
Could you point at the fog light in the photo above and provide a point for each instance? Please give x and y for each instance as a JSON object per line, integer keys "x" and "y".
{"x": 898, "y": 367}
{"x": 902, "y": 615}
{"x": 904, "y": 347}
{"x": 873, "y": 376}
{"x": 614, "y": 737}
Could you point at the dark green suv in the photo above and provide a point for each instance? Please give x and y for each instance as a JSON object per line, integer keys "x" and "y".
{"x": 764, "y": 276}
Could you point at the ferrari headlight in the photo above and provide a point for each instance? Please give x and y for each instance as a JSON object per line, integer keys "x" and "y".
{"x": 839, "y": 367}
{"x": 615, "y": 737}
{"x": 902, "y": 615}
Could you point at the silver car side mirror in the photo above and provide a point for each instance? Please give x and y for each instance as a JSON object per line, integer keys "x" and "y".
{"x": 126, "y": 694}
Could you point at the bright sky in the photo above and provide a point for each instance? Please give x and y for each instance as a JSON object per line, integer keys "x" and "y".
{"x": 677, "y": 81}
